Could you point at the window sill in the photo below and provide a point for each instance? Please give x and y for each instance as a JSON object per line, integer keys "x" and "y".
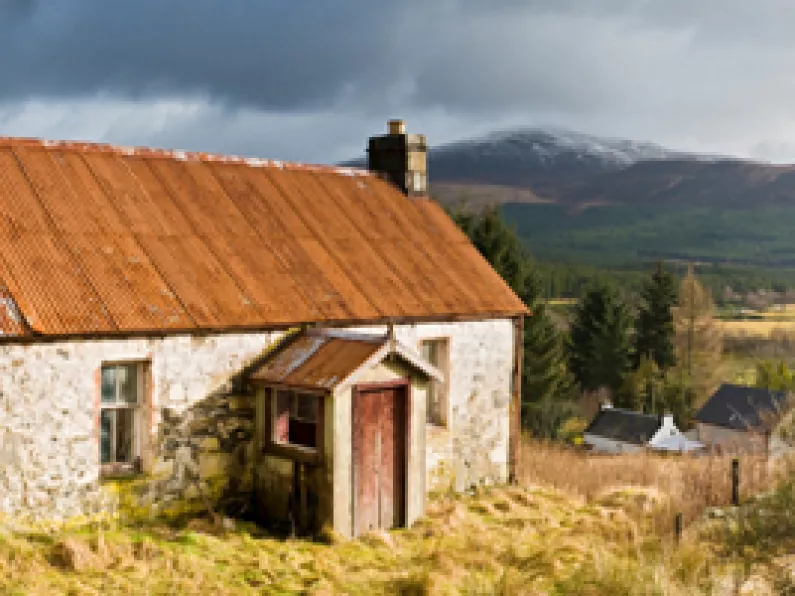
{"x": 307, "y": 455}
{"x": 119, "y": 471}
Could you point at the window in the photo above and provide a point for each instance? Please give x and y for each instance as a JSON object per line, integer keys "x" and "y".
{"x": 121, "y": 399}
{"x": 295, "y": 418}
{"x": 436, "y": 352}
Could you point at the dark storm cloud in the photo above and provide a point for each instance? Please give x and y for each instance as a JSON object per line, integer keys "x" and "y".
{"x": 711, "y": 73}
{"x": 275, "y": 55}
{"x": 471, "y": 55}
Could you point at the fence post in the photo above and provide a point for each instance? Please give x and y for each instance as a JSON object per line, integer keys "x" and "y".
{"x": 678, "y": 527}
{"x": 735, "y": 481}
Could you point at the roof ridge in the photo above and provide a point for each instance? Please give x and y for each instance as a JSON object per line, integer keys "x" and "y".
{"x": 178, "y": 154}
{"x": 628, "y": 411}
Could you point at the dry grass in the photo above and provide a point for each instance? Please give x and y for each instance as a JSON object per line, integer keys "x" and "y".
{"x": 499, "y": 541}
{"x": 581, "y": 525}
{"x": 644, "y": 483}
{"x": 758, "y": 329}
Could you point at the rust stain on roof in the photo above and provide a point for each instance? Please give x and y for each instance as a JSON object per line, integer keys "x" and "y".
{"x": 103, "y": 240}
{"x": 319, "y": 361}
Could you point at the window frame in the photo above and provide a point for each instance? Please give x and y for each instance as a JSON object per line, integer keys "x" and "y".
{"x": 137, "y": 408}
{"x": 293, "y": 451}
{"x": 434, "y": 386}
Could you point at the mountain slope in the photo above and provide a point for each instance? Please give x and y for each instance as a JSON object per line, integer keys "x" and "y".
{"x": 579, "y": 198}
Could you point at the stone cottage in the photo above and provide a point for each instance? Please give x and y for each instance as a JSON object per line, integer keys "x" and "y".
{"x": 185, "y": 331}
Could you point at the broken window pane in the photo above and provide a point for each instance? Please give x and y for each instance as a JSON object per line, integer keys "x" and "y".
{"x": 306, "y": 407}
{"x": 281, "y": 427}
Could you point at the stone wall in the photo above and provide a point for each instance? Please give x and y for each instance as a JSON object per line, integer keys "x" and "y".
{"x": 198, "y": 443}
{"x": 193, "y": 435}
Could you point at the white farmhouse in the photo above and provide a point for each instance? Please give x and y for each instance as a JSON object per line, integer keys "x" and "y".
{"x": 615, "y": 430}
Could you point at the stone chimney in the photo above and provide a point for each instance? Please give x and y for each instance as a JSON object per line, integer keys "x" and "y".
{"x": 401, "y": 158}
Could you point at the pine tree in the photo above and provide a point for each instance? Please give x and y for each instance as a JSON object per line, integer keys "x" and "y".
{"x": 699, "y": 344}
{"x": 654, "y": 326}
{"x": 599, "y": 344}
{"x": 547, "y": 385}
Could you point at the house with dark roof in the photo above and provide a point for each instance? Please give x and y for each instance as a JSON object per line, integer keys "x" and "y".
{"x": 741, "y": 419}
{"x": 310, "y": 344}
{"x": 616, "y": 430}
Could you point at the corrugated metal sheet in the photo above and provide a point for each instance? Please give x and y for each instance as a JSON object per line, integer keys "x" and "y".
{"x": 101, "y": 240}
{"x": 319, "y": 361}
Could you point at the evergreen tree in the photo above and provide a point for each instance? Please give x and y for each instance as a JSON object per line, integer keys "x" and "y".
{"x": 643, "y": 389}
{"x": 654, "y": 326}
{"x": 775, "y": 376}
{"x": 599, "y": 345}
{"x": 547, "y": 385}
{"x": 698, "y": 341}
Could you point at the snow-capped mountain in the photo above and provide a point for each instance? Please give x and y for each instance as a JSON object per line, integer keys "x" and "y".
{"x": 533, "y": 157}
{"x": 548, "y": 145}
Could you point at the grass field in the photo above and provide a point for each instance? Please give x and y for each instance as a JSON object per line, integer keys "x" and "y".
{"x": 578, "y": 524}
{"x": 757, "y": 328}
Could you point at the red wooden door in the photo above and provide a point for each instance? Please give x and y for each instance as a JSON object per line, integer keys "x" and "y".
{"x": 379, "y": 458}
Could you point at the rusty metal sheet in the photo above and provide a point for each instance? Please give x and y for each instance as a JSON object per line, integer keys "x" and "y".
{"x": 316, "y": 361}
{"x": 356, "y": 257}
{"x": 498, "y": 295}
{"x": 385, "y": 240}
{"x": 101, "y": 240}
{"x": 11, "y": 321}
{"x": 439, "y": 262}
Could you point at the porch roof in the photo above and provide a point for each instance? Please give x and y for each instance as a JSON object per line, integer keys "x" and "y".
{"x": 327, "y": 359}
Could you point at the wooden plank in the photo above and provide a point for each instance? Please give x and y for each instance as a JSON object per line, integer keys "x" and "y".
{"x": 365, "y": 428}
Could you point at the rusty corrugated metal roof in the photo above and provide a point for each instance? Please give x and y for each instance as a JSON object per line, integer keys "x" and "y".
{"x": 317, "y": 361}
{"x": 102, "y": 240}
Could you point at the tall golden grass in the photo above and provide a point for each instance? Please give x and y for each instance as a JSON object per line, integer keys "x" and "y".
{"x": 581, "y": 524}
{"x": 666, "y": 484}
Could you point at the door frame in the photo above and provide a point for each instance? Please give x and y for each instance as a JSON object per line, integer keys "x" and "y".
{"x": 403, "y": 386}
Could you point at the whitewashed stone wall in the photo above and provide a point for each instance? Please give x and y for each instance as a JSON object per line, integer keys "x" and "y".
{"x": 49, "y": 398}
{"x": 473, "y": 448}
{"x": 49, "y": 454}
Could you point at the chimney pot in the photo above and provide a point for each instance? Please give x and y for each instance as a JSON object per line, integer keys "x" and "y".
{"x": 396, "y": 127}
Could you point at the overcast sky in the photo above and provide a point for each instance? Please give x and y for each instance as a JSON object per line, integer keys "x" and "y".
{"x": 310, "y": 80}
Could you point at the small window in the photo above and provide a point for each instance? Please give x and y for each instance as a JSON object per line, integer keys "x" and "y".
{"x": 295, "y": 418}
{"x": 436, "y": 352}
{"x": 121, "y": 399}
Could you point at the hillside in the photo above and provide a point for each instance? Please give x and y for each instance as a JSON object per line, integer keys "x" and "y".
{"x": 580, "y": 198}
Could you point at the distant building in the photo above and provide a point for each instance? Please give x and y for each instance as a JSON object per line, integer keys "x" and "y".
{"x": 741, "y": 419}
{"x": 615, "y": 430}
